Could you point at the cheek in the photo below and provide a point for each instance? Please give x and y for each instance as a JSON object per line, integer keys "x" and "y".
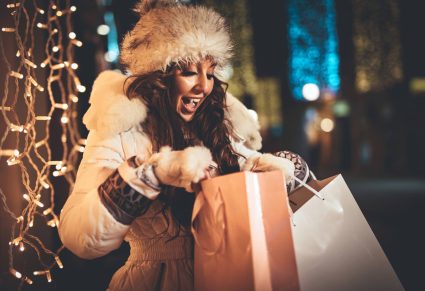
{"x": 210, "y": 87}
{"x": 182, "y": 86}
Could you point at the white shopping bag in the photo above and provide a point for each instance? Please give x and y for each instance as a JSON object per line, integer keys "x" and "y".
{"x": 335, "y": 248}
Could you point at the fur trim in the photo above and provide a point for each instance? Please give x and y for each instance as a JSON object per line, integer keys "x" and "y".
{"x": 111, "y": 112}
{"x": 246, "y": 129}
{"x": 170, "y": 32}
{"x": 268, "y": 162}
{"x": 181, "y": 168}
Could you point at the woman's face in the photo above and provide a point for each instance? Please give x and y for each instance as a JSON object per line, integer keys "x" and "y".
{"x": 191, "y": 86}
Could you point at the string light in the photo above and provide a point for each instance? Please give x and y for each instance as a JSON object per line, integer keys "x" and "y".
{"x": 60, "y": 87}
{"x": 77, "y": 42}
{"x": 59, "y": 262}
{"x": 13, "y": 5}
{"x": 42, "y": 25}
{"x": 8, "y": 29}
{"x": 43, "y": 118}
{"x": 15, "y": 273}
{"x": 16, "y": 75}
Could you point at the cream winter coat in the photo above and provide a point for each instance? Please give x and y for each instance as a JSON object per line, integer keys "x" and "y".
{"x": 89, "y": 230}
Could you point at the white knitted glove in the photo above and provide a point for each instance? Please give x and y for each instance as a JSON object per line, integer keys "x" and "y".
{"x": 181, "y": 168}
{"x": 269, "y": 162}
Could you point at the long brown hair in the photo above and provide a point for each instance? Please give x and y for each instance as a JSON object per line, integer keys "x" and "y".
{"x": 165, "y": 127}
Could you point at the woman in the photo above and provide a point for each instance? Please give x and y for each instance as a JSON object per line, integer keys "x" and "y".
{"x": 153, "y": 136}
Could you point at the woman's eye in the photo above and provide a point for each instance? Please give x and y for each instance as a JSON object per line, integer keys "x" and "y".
{"x": 188, "y": 73}
{"x": 210, "y": 76}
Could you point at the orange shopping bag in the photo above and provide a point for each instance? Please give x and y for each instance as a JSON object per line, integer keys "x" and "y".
{"x": 243, "y": 234}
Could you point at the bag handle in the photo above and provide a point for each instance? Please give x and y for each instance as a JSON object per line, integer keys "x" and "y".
{"x": 200, "y": 202}
{"x": 308, "y": 187}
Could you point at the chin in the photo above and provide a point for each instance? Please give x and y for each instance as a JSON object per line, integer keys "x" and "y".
{"x": 186, "y": 117}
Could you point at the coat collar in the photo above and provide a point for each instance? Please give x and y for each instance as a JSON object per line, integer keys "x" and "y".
{"x": 111, "y": 112}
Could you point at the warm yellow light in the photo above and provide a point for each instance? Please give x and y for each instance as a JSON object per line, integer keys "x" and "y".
{"x": 76, "y": 42}
{"x": 327, "y": 124}
{"x": 72, "y": 35}
{"x": 47, "y": 211}
{"x": 59, "y": 13}
{"x": 28, "y": 280}
{"x": 51, "y": 223}
{"x": 73, "y": 8}
{"x": 62, "y": 106}
{"x": 13, "y": 161}
{"x": 8, "y": 29}
{"x": 59, "y": 262}
{"x": 45, "y": 186}
{"x": 21, "y": 246}
{"x": 58, "y": 66}
{"x": 16, "y": 75}
{"x": 81, "y": 88}
{"x": 44, "y": 63}
{"x": 43, "y": 118}
{"x": 15, "y": 273}
{"x": 64, "y": 119}
{"x": 55, "y": 48}
{"x": 16, "y": 241}
{"x": 42, "y": 25}
{"x": 31, "y": 64}
{"x": 73, "y": 98}
{"x": 14, "y": 127}
{"x": 13, "y": 5}
{"x": 74, "y": 66}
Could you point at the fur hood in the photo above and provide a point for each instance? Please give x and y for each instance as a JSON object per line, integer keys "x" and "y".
{"x": 111, "y": 112}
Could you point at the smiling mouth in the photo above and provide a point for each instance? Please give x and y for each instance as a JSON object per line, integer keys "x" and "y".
{"x": 190, "y": 104}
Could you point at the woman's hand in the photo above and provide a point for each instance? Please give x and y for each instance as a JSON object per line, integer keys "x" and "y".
{"x": 269, "y": 162}
{"x": 181, "y": 168}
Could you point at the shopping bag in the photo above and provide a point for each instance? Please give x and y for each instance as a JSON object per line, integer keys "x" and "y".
{"x": 334, "y": 245}
{"x": 242, "y": 234}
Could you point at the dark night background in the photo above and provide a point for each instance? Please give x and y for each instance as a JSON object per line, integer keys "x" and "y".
{"x": 386, "y": 122}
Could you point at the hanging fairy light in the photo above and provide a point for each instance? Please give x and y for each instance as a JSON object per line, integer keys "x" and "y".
{"x": 24, "y": 73}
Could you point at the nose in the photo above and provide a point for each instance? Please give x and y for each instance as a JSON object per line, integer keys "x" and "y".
{"x": 203, "y": 85}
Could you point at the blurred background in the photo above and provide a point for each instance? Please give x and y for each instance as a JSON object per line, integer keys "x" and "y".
{"x": 340, "y": 82}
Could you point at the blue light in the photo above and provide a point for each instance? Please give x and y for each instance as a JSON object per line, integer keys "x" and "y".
{"x": 113, "y": 47}
{"x": 313, "y": 45}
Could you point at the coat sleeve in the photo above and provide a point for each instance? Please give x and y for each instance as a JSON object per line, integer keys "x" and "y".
{"x": 96, "y": 216}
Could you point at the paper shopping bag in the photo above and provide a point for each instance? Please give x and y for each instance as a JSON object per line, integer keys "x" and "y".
{"x": 335, "y": 247}
{"x": 243, "y": 235}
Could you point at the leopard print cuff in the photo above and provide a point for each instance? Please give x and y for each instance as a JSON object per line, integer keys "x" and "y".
{"x": 302, "y": 171}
